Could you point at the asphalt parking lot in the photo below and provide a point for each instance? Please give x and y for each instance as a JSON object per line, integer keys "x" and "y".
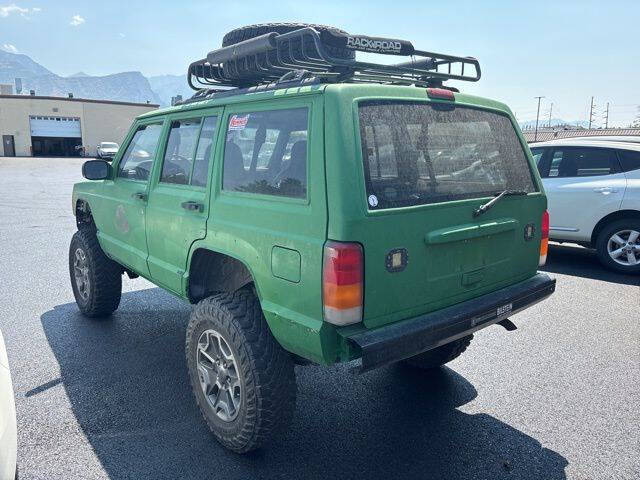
{"x": 558, "y": 398}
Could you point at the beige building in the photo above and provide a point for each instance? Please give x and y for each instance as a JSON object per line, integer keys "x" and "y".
{"x": 58, "y": 126}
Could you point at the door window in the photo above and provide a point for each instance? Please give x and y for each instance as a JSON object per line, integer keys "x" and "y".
{"x": 582, "y": 162}
{"x": 266, "y": 152}
{"x": 137, "y": 159}
{"x": 181, "y": 146}
{"x": 629, "y": 160}
{"x": 203, "y": 152}
{"x": 537, "y": 154}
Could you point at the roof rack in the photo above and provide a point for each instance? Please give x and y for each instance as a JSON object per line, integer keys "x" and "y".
{"x": 305, "y": 54}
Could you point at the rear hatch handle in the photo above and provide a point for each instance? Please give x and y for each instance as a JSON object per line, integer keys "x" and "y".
{"x": 486, "y": 206}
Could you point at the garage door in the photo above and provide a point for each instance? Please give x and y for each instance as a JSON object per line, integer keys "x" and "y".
{"x": 66, "y": 127}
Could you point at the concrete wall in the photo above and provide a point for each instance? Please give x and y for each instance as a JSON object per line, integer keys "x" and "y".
{"x": 99, "y": 121}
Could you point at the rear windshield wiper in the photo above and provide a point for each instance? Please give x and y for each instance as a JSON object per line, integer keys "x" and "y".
{"x": 483, "y": 208}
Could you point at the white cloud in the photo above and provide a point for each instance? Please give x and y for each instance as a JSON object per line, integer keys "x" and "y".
{"x": 76, "y": 20}
{"x": 7, "y": 10}
{"x": 122, "y": 35}
{"x": 7, "y": 47}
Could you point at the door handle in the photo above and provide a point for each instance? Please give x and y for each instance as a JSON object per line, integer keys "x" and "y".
{"x": 140, "y": 196}
{"x": 192, "y": 206}
{"x": 605, "y": 190}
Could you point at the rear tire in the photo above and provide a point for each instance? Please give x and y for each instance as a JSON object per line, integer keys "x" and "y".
{"x": 96, "y": 279}
{"x": 439, "y": 356}
{"x": 620, "y": 236}
{"x": 242, "y": 379}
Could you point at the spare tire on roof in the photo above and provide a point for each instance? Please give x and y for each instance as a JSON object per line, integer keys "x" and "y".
{"x": 251, "y": 31}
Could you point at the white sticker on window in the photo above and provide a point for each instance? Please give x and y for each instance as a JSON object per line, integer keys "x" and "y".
{"x": 238, "y": 122}
{"x": 373, "y": 200}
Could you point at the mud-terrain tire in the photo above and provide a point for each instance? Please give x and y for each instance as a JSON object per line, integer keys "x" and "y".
{"x": 439, "y": 356}
{"x": 231, "y": 354}
{"x": 251, "y": 31}
{"x": 624, "y": 228}
{"x": 96, "y": 279}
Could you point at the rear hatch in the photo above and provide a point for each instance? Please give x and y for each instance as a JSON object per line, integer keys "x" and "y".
{"x": 427, "y": 167}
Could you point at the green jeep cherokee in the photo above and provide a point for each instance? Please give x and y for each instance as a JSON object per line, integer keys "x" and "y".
{"x": 315, "y": 208}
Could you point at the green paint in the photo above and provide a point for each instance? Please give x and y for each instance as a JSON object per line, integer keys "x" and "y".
{"x": 452, "y": 257}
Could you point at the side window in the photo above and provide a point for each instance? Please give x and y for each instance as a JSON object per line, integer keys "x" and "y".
{"x": 137, "y": 160}
{"x": 178, "y": 157}
{"x": 266, "y": 152}
{"x": 629, "y": 159}
{"x": 203, "y": 152}
{"x": 537, "y": 154}
{"x": 582, "y": 162}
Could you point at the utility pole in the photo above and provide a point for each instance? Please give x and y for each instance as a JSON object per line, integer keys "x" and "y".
{"x": 535, "y": 135}
{"x": 591, "y": 114}
{"x": 550, "y": 110}
{"x": 606, "y": 118}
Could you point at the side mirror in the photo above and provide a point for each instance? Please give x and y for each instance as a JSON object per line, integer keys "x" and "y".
{"x": 96, "y": 170}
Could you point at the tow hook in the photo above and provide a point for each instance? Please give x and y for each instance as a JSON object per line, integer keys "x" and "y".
{"x": 508, "y": 325}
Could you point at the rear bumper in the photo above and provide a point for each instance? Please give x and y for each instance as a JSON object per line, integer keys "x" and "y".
{"x": 410, "y": 337}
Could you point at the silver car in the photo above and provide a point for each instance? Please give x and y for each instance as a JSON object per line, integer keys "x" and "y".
{"x": 107, "y": 150}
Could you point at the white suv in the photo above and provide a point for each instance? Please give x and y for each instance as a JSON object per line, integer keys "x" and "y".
{"x": 593, "y": 189}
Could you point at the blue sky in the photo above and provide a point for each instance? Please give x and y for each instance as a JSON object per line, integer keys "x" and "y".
{"x": 564, "y": 50}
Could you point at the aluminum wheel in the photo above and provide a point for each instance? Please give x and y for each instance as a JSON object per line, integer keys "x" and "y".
{"x": 219, "y": 375}
{"x": 624, "y": 247}
{"x": 81, "y": 273}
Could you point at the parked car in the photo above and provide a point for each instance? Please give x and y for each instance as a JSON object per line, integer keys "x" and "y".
{"x": 309, "y": 220}
{"x": 593, "y": 187}
{"x": 107, "y": 150}
{"x": 8, "y": 429}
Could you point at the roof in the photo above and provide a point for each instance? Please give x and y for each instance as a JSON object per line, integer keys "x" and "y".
{"x": 76, "y": 99}
{"x": 547, "y": 135}
{"x": 211, "y": 98}
{"x": 588, "y": 142}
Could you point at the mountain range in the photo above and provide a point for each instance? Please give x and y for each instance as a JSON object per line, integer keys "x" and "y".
{"x": 125, "y": 86}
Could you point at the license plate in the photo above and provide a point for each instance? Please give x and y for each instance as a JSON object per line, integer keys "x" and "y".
{"x": 504, "y": 310}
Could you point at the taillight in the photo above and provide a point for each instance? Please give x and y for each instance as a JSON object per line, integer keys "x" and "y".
{"x": 544, "y": 243}
{"x": 342, "y": 283}
{"x": 441, "y": 93}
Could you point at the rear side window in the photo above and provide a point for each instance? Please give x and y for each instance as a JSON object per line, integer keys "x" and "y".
{"x": 582, "y": 162}
{"x": 418, "y": 153}
{"x": 137, "y": 160}
{"x": 266, "y": 152}
{"x": 629, "y": 159}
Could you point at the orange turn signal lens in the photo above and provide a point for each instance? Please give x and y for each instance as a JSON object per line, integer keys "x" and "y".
{"x": 342, "y": 283}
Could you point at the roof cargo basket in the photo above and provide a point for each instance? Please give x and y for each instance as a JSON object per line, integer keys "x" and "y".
{"x": 306, "y": 53}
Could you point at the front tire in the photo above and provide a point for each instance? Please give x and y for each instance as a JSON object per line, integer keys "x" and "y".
{"x": 439, "y": 356}
{"x": 96, "y": 279}
{"x": 618, "y": 246}
{"x": 242, "y": 379}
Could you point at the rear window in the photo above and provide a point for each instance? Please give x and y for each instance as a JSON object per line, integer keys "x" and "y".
{"x": 418, "y": 153}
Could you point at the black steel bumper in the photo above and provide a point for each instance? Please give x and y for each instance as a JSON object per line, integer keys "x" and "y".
{"x": 410, "y": 337}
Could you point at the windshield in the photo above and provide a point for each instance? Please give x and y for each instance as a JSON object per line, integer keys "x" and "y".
{"x": 108, "y": 145}
{"x": 418, "y": 153}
